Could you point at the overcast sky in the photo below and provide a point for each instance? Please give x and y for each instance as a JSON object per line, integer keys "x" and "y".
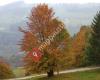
{"x": 4, "y": 2}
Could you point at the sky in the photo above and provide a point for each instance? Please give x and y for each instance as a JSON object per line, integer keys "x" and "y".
{"x": 4, "y": 2}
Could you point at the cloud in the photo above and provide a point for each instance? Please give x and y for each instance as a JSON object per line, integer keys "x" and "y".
{"x": 62, "y": 1}
{"x": 4, "y": 2}
{"x": 2, "y": 28}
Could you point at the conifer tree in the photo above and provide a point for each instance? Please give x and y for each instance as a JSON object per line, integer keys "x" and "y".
{"x": 93, "y": 48}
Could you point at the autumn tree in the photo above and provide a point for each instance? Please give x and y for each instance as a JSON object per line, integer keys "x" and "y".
{"x": 41, "y": 24}
{"x": 5, "y": 70}
{"x": 93, "y": 48}
{"x": 78, "y": 46}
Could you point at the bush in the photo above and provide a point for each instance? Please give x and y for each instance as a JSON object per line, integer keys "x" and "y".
{"x": 5, "y": 71}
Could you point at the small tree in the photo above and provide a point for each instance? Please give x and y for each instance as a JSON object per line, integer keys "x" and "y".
{"x": 5, "y": 71}
{"x": 41, "y": 24}
{"x": 93, "y": 48}
{"x": 78, "y": 46}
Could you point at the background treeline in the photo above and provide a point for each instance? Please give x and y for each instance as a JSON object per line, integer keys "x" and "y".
{"x": 85, "y": 45}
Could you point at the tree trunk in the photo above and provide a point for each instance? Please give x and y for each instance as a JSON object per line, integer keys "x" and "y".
{"x": 50, "y": 73}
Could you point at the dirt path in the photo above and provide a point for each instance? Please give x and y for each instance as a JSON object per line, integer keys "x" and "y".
{"x": 66, "y": 71}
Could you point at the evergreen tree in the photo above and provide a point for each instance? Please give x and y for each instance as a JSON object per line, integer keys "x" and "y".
{"x": 93, "y": 48}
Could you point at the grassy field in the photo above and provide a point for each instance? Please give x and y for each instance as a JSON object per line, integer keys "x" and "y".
{"x": 86, "y": 75}
{"x": 19, "y": 72}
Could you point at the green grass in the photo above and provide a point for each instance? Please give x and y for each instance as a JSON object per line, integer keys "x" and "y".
{"x": 19, "y": 72}
{"x": 86, "y": 75}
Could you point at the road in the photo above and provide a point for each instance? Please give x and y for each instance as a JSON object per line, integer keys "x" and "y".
{"x": 66, "y": 71}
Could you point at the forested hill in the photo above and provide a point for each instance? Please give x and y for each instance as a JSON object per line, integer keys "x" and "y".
{"x": 15, "y": 14}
